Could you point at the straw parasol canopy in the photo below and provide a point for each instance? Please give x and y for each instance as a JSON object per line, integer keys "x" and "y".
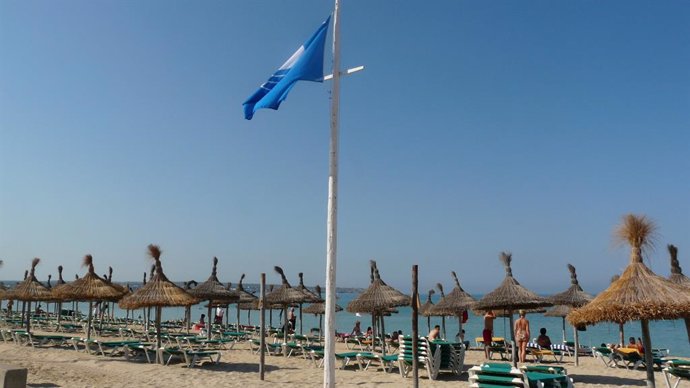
{"x": 158, "y": 292}
{"x": 30, "y": 289}
{"x": 285, "y": 295}
{"x": 378, "y": 297}
{"x": 116, "y": 286}
{"x": 574, "y": 296}
{"x": 677, "y": 275}
{"x": 311, "y": 297}
{"x": 244, "y": 295}
{"x": 639, "y": 294}
{"x": 455, "y": 302}
{"x": 558, "y": 311}
{"x": 90, "y": 287}
{"x": 213, "y": 291}
{"x": 428, "y": 304}
{"x": 510, "y": 295}
{"x": 319, "y": 307}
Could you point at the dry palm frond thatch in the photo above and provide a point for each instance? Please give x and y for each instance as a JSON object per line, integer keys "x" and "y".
{"x": 510, "y": 295}
{"x": 31, "y": 289}
{"x": 319, "y": 307}
{"x": 90, "y": 287}
{"x": 378, "y": 297}
{"x": 455, "y": 302}
{"x": 574, "y": 296}
{"x": 311, "y": 297}
{"x": 158, "y": 291}
{"x": 639, "y": 294}
{"x": 677, "y": 275}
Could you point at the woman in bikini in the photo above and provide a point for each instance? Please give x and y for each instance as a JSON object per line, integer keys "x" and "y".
{"x": 522, "y": 335}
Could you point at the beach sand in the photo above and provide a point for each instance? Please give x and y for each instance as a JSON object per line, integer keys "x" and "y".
{"x": 63, "y": 367}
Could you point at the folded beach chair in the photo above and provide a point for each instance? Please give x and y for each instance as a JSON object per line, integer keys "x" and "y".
{"x": 490, "y": 375}
{"x": 425, "y": 359}
{"x": 451, "y": 356}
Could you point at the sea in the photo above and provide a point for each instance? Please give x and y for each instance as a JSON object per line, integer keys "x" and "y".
{"x": 668, "y": 334}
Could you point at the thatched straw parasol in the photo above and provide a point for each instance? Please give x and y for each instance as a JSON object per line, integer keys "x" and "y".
{"x": 638, "y": 294}
{"x": 425, "y": 308}
{"x": 244, "y": 297}
{"x": 158, "y": 292}
{"x": 455, "y": 303}
{"x": 213, "y": 290}
{"x": 559, "y": 311}
{"x": 90, "y": 287}
{"x": 285, "y": 295}
{"x": 377, "y": 299}
{"x": 574, "y": 297}
{"x": 510, "y": 295}
{"x": 319, "y": 308}
{"x": 311, "y": 297}
{"x": 678, "y": 277}
{"x": 31, "y": 290}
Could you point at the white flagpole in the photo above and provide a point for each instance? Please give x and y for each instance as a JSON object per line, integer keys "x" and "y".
{"x": 332, "y": 221}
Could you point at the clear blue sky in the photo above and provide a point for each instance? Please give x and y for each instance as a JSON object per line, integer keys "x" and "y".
{"x": 476, "y": 127}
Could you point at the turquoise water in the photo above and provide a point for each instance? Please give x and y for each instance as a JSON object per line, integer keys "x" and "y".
{"x": 665, "y": 334}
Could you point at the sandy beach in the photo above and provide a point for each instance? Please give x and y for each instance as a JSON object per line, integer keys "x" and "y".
{"x": 65, "y": 367}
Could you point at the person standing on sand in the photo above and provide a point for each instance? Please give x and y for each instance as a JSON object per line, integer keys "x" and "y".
{"x": 522, "y": 335}
{"x": 488, "y": 332}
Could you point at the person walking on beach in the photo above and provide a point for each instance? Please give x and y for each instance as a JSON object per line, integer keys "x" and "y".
{"x": 488, "y": 332}
{"x": 522, "y": 335}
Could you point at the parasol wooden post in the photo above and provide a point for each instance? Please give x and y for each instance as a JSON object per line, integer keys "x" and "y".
{"x": 415, "y": 325}
{"x": 621, "y": 334}
{"x": 158, "y": 333}
{"x": 88, "y": 330}
{"x": 249, "y": 317}
{"x": 428, "y": 324}
{"x": 577, "y": 346}
{"x": 23, "y": 311}
{"x": 28, "y": 317}
{"x": 564, "y": 339}
{"x": 443, "y": 323}
{"x": 188, "y": 317}
{"x": 513, "y": 351}
{"x": 300, "y": 319}
{"x": 270, "y": 317}
{"x": 286, "y": 329}
{"x": 262, "y": 326}
{"x": 383, "y": 338}
{"x": 238, "y": 317}
{"x": 209, "y": 322}
{"x": 648, "y": 357}
{"x": 687, "y": 327}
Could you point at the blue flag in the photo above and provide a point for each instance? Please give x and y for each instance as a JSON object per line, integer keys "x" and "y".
{"x": 306, "y": 64}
